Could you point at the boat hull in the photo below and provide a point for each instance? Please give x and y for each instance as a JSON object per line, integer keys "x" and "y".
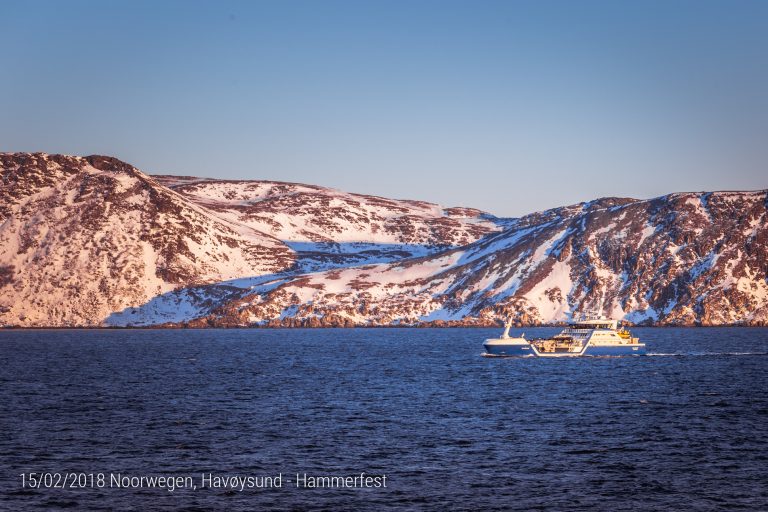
{"x": 634, "y": 349}
{"x": 498, "y": 347}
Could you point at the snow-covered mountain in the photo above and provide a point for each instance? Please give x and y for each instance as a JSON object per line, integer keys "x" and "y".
{"x": 680, "y": 259}
{"x": 93, "y": 241}
{"x": 81, "y": 238}
{"x": 331, "y": 228}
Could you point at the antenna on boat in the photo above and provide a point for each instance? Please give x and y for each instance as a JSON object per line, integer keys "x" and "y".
{"x": 507, "y": 325}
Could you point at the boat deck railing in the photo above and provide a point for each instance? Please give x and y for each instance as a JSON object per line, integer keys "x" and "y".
{"x": 577, "y": 331}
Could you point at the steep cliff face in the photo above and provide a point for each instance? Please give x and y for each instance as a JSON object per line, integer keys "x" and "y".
{"x": 93, "y": 241}
{"x": 680, "y": 259}
{"x": 82, "y": 238}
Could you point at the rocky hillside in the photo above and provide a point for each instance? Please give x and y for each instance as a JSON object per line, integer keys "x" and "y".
{"x": 682, "y": 259}
{"x": 84, "y": 237}
{"x": 331, "y": 228}
{"x": 93, "y": 241}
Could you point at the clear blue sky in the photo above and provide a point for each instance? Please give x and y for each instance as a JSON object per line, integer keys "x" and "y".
{"x": 510, "y": 107}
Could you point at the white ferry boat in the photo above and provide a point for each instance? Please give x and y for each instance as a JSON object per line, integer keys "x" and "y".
{"x": 589, "y": 337}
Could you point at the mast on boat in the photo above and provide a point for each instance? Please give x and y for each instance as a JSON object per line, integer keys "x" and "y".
{"x": 507, "y": 326}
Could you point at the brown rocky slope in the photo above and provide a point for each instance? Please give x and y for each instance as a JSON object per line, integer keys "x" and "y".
{"x": 93, "y": 241}
{"x": 681, "y": 259}
{"x": 81, "y": 238}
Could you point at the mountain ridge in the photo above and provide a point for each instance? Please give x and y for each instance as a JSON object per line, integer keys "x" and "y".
{"x": 657, "y": 273}
{"x": 141, "y": 250}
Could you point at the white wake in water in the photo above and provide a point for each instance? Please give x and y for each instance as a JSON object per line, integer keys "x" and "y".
{"x": 650, "y": 354}
{"x": 689, "y": 354}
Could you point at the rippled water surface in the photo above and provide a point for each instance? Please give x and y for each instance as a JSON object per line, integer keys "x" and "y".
{"x": 681, "y": 429}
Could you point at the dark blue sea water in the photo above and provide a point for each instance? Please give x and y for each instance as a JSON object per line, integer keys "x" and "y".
{"x": 684, "y": 429}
